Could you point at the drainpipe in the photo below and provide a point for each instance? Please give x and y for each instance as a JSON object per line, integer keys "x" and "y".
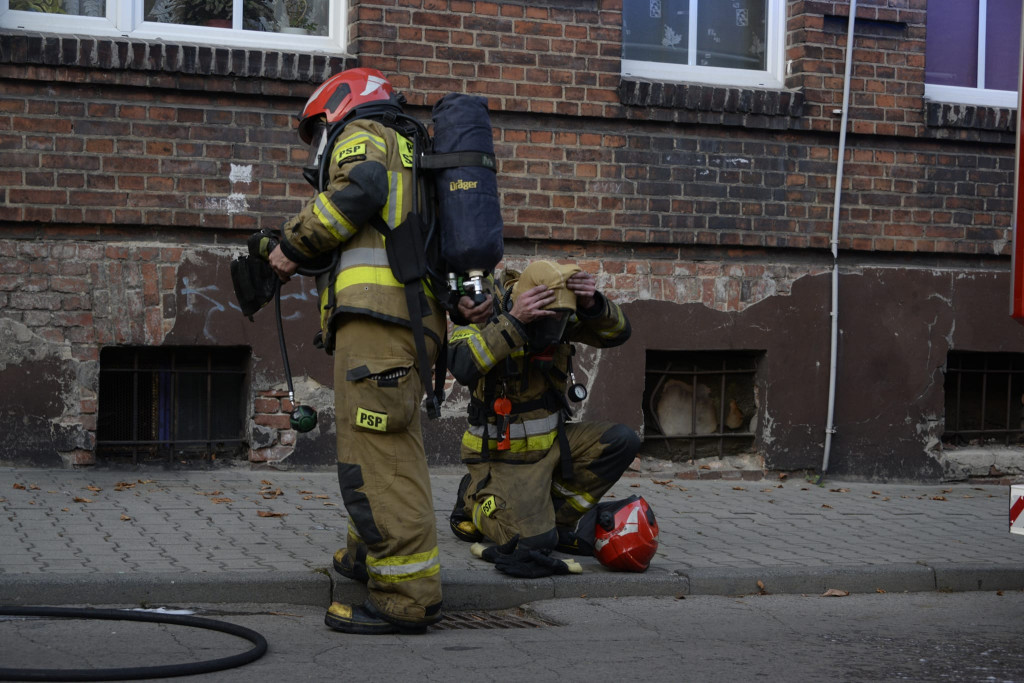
{"x": 830, "y": 428}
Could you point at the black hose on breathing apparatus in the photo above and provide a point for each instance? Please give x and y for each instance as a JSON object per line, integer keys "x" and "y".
{"x": 302, "y": 418}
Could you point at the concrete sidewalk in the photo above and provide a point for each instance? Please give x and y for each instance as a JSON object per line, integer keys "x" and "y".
{"x": 231, "y": 535}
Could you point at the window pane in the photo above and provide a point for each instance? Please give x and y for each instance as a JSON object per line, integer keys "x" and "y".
{"x": 655, "y": 30}
{"x": 279, "y": 16}
{"x": 731, "y": 34}
{"x": 300, "y": 16}
{"x": 1002, "y": 44}
{"x": 84, "y": 8}
{"x": 951, "y": 54}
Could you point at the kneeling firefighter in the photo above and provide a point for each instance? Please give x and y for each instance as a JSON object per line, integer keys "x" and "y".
{"x": 532, "y": 473}
{"x": 382, "y": 320}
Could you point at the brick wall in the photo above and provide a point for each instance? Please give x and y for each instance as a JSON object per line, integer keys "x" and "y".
{"x": 127, "y": 167}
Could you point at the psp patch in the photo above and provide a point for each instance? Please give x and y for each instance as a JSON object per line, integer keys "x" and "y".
{"x": 368, "y": 419}
{"x": 488, "y": 507}
{"x": 354, "y": 152}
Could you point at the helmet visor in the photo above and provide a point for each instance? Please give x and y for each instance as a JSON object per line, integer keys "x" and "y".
{"x": 317, "y": 143}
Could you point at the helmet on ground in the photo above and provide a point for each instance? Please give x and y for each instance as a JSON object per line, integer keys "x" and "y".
{"x": 343, "y": 93}
{"x": 626, "y": 535}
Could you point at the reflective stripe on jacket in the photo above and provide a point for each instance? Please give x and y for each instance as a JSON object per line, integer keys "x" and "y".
{"x": 370, "y": 174}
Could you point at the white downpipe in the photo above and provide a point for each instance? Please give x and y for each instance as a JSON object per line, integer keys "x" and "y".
{"x": 830, "y": 428}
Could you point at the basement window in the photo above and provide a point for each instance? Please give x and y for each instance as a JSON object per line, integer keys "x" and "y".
{"x": 984, "y": 395}
{"x": 699, "y": 404}
{"x": 172, "y": 402}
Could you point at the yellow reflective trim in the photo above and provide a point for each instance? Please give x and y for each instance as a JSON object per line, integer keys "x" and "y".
{"x": 366, "y": 275}
{"x": 532, "y": 443}
{"x": 400, "y": 568}
{"x": 581, "y": 501}
{"x": 333, "y": 218}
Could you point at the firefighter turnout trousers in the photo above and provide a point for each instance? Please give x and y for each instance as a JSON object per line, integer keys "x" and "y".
{"x": 382, "y": 468}
{"x": 509, "y": 498}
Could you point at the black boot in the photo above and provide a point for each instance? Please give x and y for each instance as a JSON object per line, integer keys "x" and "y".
{"x": 461, "y": 523}
{"x": 352, "y": 567}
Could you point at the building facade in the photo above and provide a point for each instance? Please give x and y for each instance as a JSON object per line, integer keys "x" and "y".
{"x": 134, "y": 165}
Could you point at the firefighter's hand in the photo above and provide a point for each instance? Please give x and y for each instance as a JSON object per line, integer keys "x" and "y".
{"x": 476, "y": 314}
{"x": 282, "y": 266}
{"x": 529, "y": 305}
{"x": 584, "y": 286}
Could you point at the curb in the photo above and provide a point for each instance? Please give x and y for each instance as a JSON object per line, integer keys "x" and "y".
{"x": 466, "y": 590}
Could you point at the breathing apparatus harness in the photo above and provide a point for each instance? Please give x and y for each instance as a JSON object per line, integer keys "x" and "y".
{"x": 413, "y": 246}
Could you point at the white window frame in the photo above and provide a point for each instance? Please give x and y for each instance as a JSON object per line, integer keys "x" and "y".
{"x": 771, "y": 77}
{"x": 124, "y": 19}
{"x": 980, "y": 95}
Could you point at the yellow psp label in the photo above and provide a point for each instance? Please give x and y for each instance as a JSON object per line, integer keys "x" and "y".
{"x": 367, "y": 419}
{"x": 488, "y": 507}
{"x": 350, "y": 152}
{"x": 405, "y": 150}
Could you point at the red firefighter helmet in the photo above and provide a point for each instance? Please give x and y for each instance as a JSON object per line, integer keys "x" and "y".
{"x": 343, "y": 92}
{"x": 626, "y": 536}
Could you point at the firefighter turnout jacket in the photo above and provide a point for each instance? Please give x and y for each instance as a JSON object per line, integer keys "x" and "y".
{"x": 494, "y": 360}
{"x": 370, "y": 177}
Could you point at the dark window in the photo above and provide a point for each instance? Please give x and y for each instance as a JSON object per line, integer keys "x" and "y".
{"x": 699, "y": 404}
{"x": 984, "y": 395}
{"x": 166, "y": 402}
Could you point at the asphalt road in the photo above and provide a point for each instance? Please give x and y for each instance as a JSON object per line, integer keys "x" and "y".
{"x": 862, "y": 637}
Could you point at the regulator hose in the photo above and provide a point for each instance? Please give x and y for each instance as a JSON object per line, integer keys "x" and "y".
{"x": 138, "y": 672}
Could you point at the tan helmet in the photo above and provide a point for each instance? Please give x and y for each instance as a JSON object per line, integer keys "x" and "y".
{"x": 552, "y": 275}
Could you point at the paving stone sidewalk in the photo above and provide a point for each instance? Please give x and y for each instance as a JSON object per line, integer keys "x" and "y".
{"x": 235, "y": 535}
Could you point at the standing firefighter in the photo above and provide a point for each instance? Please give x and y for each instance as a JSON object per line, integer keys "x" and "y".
{"x": 533, "y": 475}
{"x": 384, "y": 341}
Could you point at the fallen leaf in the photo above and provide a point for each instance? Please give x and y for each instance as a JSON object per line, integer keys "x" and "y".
{"x": 880, "y": 590}
{"x": 333, "y": 505}
{"x": 938, "y": 498}
{"x": 662, "y": 481}
{"x": 760, "y": 587}
{"x": 125, "y": 518}
{"x": 835, "y": 593}
{"x": 323, "y": 496}
{"x": 303, "y": 492}
{"x": 826, "y": 505}
{"x": 738, "y": 488}
{"x": 20, "y": 487}
{"x": 78, "y": 499}
{"x": 999, "y": 592}
{"x": 220, "y": 500}
{"x": 875, "y": 493}
{"x": 839, "y": 490}
{"x": 65, "y": 509}
{"x": 267, "y": 482}
{"x": 705, "y": 467}
{"x": 94, "y": 489}
{"x": 266, "y": 513}
{"x": 783, "y": 475}
{"x": 33, "y": 487}
{"x": 272, "y": 494}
